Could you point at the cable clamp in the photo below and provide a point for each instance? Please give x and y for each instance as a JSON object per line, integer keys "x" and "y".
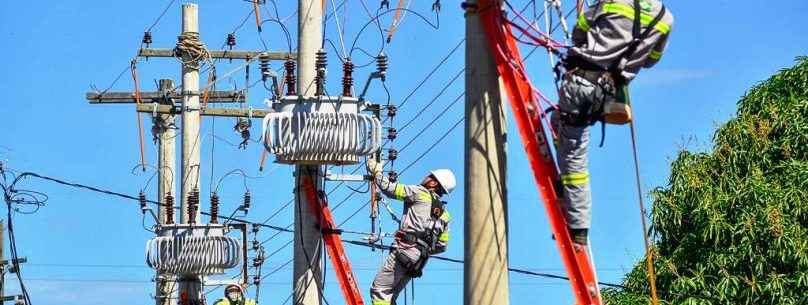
{"x": 190, "y": 93}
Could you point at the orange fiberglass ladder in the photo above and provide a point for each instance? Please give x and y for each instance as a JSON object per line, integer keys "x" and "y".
{"x": 318, "y": 206}
{"x": 527, "y": 112}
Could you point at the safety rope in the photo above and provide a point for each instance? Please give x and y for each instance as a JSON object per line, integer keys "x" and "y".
{"x": 396, "y": 19}
{"x": 649, "y": 251}
{"x": 139, "y": 122}
{"x": 257, "y": 12}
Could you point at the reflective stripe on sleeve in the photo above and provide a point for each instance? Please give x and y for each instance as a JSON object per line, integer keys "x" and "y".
{"x": 575, "y": 179}
{"x": 399, "y": 192}
{"x": 444, "y": 237}
{"x": 628, "y": 12}
{"x": 582, "y": 23}
{"x": 655, "y": 55}
{"x": 380, "y": 302}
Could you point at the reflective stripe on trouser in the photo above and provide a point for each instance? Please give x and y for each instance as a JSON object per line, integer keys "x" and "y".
{"x": 576, "y": 95}
{"x": 390, "y": 280}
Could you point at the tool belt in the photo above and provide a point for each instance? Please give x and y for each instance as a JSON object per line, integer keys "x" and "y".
{"x": 592, "y": 72}
{"x": 615, "y": 109}
{"x": 413, "y": 268}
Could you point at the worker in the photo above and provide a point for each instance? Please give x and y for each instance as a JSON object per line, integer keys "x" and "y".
{"x": 424, "y": 229}
{"x": 612, "y": 41}
{"x": 234, "y": 295}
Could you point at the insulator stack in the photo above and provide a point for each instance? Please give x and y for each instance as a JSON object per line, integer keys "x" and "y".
{"x": 214, "y": 207}
{"x": 391, "y": 111}
{"x": 231, "y": 40}
{"x": 257, "y": 261}
{"x": 392, "y": 154}
{"x": 392, "y": 175}
{"x": 347, "y": 78}
{"x": 141, "y": 198}
{"x": 320, "y": 64}
{"x": 169, "y": 207}
{"x": 289, "y": 65}
{"x": 193, "y": 205}
{"x": 256, "y": 280}
{"x": 255, "y": 228}
{"x": 264, "y": 65}
{"x": 256, "y": 245}
{"x": 247, "y": 201}
{"x": 147, "y": 38}
{"x": 391, "y": 133}
{"x": 381, "y": 65}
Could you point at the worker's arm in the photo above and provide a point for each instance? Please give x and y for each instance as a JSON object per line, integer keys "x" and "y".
{"x": 443, "y": 238}
{"x": 395, "y": 190}
{"x": 656, "y": 52}
{"x": 585, "y": 23}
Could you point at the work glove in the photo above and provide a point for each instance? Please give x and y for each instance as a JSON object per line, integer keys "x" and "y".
{"x": 374, "y": 168}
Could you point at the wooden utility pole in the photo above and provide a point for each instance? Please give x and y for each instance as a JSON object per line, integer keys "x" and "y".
{"x": 486, "y": 223}
{"x": 307, "y": 276}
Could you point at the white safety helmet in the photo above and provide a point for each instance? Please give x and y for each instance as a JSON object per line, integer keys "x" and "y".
{"x": 446, "y": 179}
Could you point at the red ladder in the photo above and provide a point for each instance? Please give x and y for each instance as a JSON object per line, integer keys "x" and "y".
{"x": 318, "y": 206}
{"x": 528, "y": 118}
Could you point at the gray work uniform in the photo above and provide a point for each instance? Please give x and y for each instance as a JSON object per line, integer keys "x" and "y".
{"x": 417, "y": 218}
{"x": 601, "y": 35}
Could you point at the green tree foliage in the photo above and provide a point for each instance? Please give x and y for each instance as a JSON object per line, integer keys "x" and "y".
{"x": 731, "y": 226}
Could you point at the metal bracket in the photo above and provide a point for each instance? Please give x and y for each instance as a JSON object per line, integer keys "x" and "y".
{"x": 344, "y": 177}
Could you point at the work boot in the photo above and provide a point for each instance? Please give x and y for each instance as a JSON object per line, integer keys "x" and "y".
{"x": 579, "y": 238}
{"x": 616, "y": 113}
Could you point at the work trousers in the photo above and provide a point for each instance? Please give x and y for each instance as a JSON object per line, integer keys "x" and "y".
{"x": 577, "y": 97}
{"x": 390, "y": 280}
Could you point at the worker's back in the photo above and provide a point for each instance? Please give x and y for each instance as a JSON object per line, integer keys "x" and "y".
{"x": 605, "y": 31}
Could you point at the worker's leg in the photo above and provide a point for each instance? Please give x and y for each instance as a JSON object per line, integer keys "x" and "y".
{"x": 575, "y": 99}
{"x": 389, "y": 281}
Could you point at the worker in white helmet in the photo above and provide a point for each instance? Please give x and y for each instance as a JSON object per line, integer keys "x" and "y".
{"x": 424, "y": 229}
{"x": 234, "y": 295}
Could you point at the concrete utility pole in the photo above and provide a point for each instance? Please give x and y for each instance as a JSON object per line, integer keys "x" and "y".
{"x": 189, "y": 287}
{"x": 486, "y": 222}
{"x": 166, "y": 156}
{"x": 166, "y": 164}
{"x": 190, "y": 118}
{"x": 307, "y": 276}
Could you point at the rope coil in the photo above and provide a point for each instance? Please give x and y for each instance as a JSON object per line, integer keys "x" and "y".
{"x": 192, "y": 51}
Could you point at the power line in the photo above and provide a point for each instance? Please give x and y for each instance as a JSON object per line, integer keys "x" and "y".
{"x": 454, "y": 260}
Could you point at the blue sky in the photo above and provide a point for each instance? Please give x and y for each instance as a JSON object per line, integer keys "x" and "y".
{"x": 87, "y": 248}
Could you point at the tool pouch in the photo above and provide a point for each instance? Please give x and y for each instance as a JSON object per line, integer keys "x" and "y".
{"x": 618, "y": 110}
{"x": 413, "y": 267}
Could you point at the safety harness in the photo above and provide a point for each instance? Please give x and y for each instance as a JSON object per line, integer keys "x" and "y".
{"x": 423, "y": 241}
